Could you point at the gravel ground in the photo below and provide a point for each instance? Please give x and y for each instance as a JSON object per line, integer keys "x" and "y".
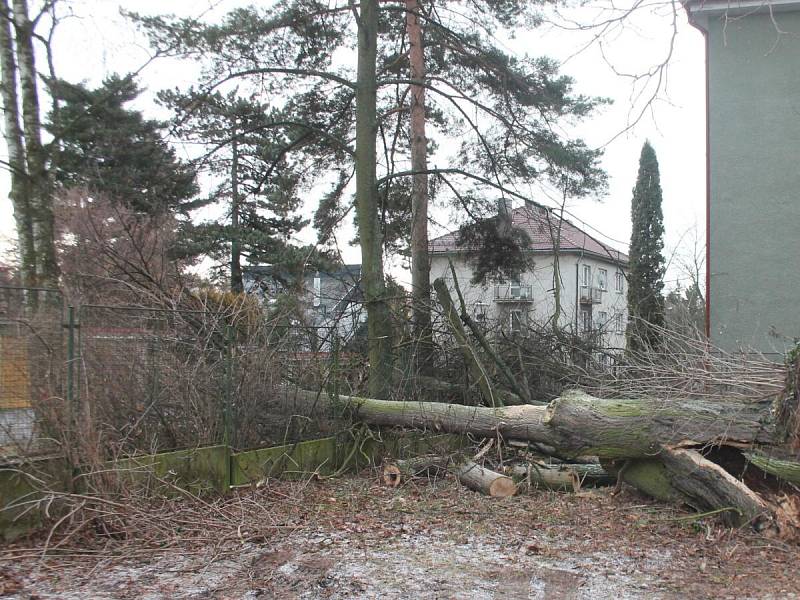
{"x": 353, "y": 538}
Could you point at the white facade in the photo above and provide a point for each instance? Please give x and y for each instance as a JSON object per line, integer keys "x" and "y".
{"x": 593, "y": 294}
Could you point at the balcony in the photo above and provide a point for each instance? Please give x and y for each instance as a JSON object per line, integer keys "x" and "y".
{"x": 513, "y": 292}
{"x": 591, "y": 295}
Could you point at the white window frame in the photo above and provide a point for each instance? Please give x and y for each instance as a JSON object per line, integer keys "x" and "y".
{"x": 602, "y": 318}
{"x": 619, "y": 325}
{"x": 520, "y": 316}
{"x": 317, "y": 290}
{"x": 602, "y": 279}
{"x": 586, "y": 275}
{"x": 619, "y": 282}
{"x": 586, "y": 321}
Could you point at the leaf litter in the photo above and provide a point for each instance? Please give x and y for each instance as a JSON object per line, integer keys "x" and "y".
{"x": 357, "y": 539}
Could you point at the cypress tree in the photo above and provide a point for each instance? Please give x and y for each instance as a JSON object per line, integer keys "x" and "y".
{"x": 646, "y": 275}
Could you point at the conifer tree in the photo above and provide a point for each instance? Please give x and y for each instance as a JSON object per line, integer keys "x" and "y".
{"x": 646, "y": 275}
{"x": 113, "y": 150}
{"x": 258, "y": 186}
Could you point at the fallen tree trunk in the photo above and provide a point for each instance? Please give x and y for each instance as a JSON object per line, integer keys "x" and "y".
{"x": 655, "y": 440}
{"x": 576, "y": 424}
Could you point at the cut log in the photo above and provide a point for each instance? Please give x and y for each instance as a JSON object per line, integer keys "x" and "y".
{"x": 420, "y": 466}
{"x": 470, "y": 474}
{"x": 561, "y": 477}
{"x": 486, "y": 481}
{"x": 391, "y": 475}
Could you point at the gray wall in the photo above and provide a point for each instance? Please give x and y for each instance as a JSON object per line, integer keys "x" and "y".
{"x": 754, "y": 127}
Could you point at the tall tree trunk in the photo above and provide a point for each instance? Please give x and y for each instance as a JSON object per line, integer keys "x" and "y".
{"x": 379, "y": 323}
{"x": 236, "y": 259}
{"x": 41, "y": 191}
{"x": 420, "y": 261}
{"x": 20, "y": 192}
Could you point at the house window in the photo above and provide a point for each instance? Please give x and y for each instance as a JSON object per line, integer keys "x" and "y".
{"x": 586, "y": 321}
{"x": 317, "y": 290}
{"x": 602, "y": 279}
{"x": 602, "y": 319}
{"x": 619, "y": 278}
{"x": 514, "y": 288}
{"x": 516, "y": 321}
{"x": 586, "y": 276}
{"x": 619, "y": 326}
{"x": 480, "y": 312}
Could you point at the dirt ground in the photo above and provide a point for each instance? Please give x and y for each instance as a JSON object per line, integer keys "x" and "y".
{"x": 354, "y": 538}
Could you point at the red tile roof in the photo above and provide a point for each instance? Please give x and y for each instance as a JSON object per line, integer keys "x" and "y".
{"x": 533, "y": 219}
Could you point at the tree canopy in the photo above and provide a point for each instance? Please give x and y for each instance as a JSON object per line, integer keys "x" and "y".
{"x": 115, "y": 151}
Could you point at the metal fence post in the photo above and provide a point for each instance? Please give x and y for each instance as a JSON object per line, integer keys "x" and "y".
{"x": 228, "y": 385}
{"x": 71, "y": 408}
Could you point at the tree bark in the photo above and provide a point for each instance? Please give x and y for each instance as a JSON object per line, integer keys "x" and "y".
{"x": 420, "y": 261}
{"x": 20, "y": 191}
{"x": 569, "y": 477}
{"x": 379, "y": 325}
{"x": 576, "y": 424}
{"x": 684, "y": 476}
{"x": 782, "y": 465}
{"x": 486, "y": 481}
{"x": 41, "y": 190}
{"x": 237, "y": 286}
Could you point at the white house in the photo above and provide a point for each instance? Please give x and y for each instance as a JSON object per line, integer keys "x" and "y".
{"x": 591, "y": 279}
{"x": 331, "y": 300}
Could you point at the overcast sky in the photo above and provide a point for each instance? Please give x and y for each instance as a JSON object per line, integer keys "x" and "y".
{"x": 98, "y": 41}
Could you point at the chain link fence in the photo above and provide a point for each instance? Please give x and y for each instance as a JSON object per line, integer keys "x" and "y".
{"x": 106, "y": 381}
{"x": 32, "y": 355}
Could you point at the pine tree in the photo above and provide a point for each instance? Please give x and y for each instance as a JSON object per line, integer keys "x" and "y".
{"x": 502, "y": 108}
{"x": 258, "y": 185}
{"x": 646, "y": 275}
